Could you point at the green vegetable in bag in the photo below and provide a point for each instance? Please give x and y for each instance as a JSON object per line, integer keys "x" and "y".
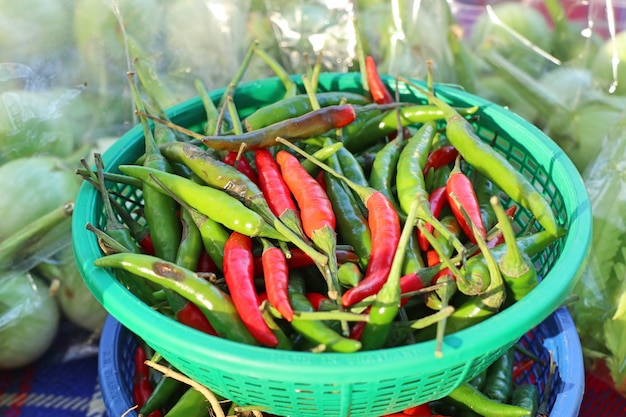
{"x": 600, "y": 313}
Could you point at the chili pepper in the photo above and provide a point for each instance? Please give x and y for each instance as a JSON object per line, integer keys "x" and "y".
{"x": 352, "y": 225}
{"x": 205, "y": 263}
{"x": 165, "y": 391}
{"x": 479, "y": 380}
{"x": 298, "y": 105}
{"x": 520, "y": 367}
{"x": 387, "y": 302}
{"x": 159, "y": 208}
{"x": 499, "y": 378}
{"x": 421, "y": 410}
{"x": 276, "y": 277}
{"x": 212, "y": 202}
{"x": 317, "y": 331}
{"x": 517, "y": 268}
{"x": 299, "y": 259}
{"x": 469, "y": 397}
{"x": 383, "y": 173}
{"x": 413, "y": 257}
{"x": 239, "y": 277}
{"x": 191, "y": 404}
{"x": 379, "y": 92}
{"x": 527, "y": 397}
{"x": 242, "y": 164}
{"x": 213, "y": 302}
{"x": 442, "y": 156}
{"x": 384, "y": 225}
{"x": 190, "y": 244}
{"x": 373, "y": 126}
{"x": 219, "y": 175}
{"x": 321, "y": 154}
{"x": 276, "y": 191}
{"x": 318, "y": 300}
{"x": 349, "y": 274}
{"x": 462, "y": 188}
{"x": 142, "y": 389}
{"x": 494, "y": 166}
{"x": 316, "y": 212}
{"x": 484, "y": 189}
{"x": 437, "y": 200}
{"x": 499, "y": 239}
{"x": 350, "y": 167}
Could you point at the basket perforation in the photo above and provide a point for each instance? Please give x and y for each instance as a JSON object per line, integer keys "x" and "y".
{"x": 310, "y": 381}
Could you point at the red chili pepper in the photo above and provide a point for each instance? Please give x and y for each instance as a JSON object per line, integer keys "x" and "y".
{"x": 409, "y": 283}
{"x": 437, "y": 199}
{"x": 384, "y": 225}
{"x": 146, "y": 245}
{"x": 522, "y": 366}
{"x": 272, "y": 184}
{"x": 316, "y": 299}
{"x": 422, "y": 410}
{"x": 239, "y": 277}
{"x": 192, "y": 316}
{"x": 205, "y": 263}
{"x": 299, "y": 259}
{"x": 440, "y": 157}
{"x": 242, "y": 165}
{"x": 461, "y": 187}
{"x": 378, "y": 90}
{"x": 142, "y": 389}
{"x": 498, "y": 240}
{"x": 276, "y": 277}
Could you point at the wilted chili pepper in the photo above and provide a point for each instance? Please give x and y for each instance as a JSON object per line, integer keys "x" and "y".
{"x": 493, "y": 165}
{"x": 276, "y": 277}
{"x": 518, "y": 270}
{"x": 213, "y": 302}
{"x": 296, "y": 106}
{"x": 316, "y": 212}
{"x": 239, "y": 277}
{"x": 460, "y": 186}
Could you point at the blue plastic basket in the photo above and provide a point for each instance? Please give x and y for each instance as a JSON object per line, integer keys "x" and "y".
{"x": 557, "y": 334}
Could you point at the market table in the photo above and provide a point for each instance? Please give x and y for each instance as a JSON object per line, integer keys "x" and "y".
{"x": 64, "y": 383}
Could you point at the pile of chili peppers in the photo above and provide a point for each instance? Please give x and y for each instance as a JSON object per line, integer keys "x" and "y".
{"x": 324, "y": 222}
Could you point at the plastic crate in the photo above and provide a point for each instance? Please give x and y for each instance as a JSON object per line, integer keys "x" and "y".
{"x": 367, "y": 383}
{"x": 556, "y": 334}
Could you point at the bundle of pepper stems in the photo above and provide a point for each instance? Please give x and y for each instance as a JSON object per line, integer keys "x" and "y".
{"x": 277, "y": 230}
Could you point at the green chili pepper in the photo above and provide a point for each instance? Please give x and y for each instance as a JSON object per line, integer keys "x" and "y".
{"x": 165, "y": 391}
{"x": 469, "y": 397}
{"x": 322, "y": 154}
{"x": 317, "y": 331}
{"x": 349, "y": 274}
{"x": 297, "y": 106}
{"x": 159, "y": 208}
{"x": 352, "y": 224}
{"x": 493, "y": 165}
{"x": 499, "y": 379}
{"x": 191, "y": 404}
{"x": 214, "y": 303}
{"x": 479, "y": 380}
{"x": 350, "y": 167}
{"x": 485, "y": 189}
{"x": 212, "y": 202}
{"x": 526, "y": 396}
{"x": 383, "y": 173}
{"x": 517, "y": 268}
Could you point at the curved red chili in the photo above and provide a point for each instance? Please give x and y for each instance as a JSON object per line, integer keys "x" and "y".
{"x": 379, "y": 92}
{"x": 385, "y": 227}
{"x": 239, "y": 277}
{"x": 272, "y": 184}
{"x": 192, "y": 316}
{"x": 461, "y": 187}
{"x": 242, "y": 165}
{"x": 440, "y": 157}
{"x": 142, "y": 389}
{"x": 276, "y": 277}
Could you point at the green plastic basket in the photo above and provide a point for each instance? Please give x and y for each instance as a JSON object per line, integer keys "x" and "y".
{"x": 369, "y": 383}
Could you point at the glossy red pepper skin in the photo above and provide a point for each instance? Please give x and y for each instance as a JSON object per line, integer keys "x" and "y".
{"x": 440, "y": 157}
{"x": 272, "y": 184}
{"x": 276, "y": 277}
{"x": 242, "y": 165}
{"x": 192, "y": 316}
{"x": 385, "y": 228}
{"x": 437, "y": 199}
{"x": 379, "y": 92}
{"x": 461, "y": 187}
{"x": 239, "y": 277}
{"x": 142, "y": 389}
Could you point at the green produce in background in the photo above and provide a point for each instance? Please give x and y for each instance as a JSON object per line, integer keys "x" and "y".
{"x": 29, "y": 319}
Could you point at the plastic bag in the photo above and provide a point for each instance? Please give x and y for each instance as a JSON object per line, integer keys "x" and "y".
{"x": 600, "y": 312}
